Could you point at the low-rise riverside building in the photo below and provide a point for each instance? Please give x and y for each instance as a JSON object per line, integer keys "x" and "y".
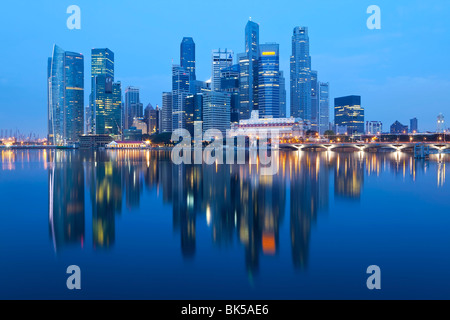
{"x": 126, "y": 145}
{"x": 255, "y": 126}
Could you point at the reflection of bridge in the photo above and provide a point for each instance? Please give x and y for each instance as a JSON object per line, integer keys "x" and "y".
{"x": 430, "y": 147}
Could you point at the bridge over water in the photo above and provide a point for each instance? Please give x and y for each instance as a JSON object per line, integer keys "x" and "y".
{"x": 420, "y": 149}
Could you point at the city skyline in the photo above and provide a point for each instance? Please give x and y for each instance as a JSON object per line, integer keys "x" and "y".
{"x": 373, "y": 67}
{"x": 263, "y": 151}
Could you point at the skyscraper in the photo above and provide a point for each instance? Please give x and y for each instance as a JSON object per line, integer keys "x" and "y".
{"x": 219, "y": 60}
{"x": 180, "y": 90}
{"x": 166, "y": 112}
{"x": 193, "y": 111}
{"x": 315, "y": 101}
{"x": 65, "y": 75}
{"x": 414, "y": 125}
{"x": 349, "y": 112}
{"x": 159, "y": 119}
{"x": 133, "y": 106}
{"x": 248, "y": 63}
{"x": 229, "y": 82}
{"x": 216, "y": 111}
{"x": 324, "y": 107}
{"x": 300, "y": 75}
{"x": 282, "y": 95}
{"x": 114, "y": 120}
{"x": 187, "y": 56}
{"x": 106, "y": 96}
{"x": 269, "y": 80}
{"x": 151, "y": 118}
{"x": 440, "y": 123}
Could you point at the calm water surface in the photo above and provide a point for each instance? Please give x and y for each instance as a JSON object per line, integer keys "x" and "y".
{"x": 140, "y": 227}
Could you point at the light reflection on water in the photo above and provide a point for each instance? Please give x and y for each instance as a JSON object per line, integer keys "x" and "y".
{"x": 90, "y": 195}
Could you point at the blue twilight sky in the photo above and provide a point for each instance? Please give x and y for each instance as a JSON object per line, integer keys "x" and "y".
{"x": 401, "y": 71}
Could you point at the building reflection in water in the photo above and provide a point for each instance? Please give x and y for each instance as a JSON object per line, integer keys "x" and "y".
{"x": 348, "y": 176}
{"x": 66, "y": 199}
{"x": 236, "y": 201}
{"x": 309, "y": 176}
{"x": 106, "y": 183}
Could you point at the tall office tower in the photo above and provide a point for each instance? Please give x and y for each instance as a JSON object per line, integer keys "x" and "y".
{"x": 106, "y": 113}
{"x": 248, "y": 63}
{"x": 151, "y": 118}
{"x": 193, "y": 111}
{"x": 229, "y": 82}
{"x": 189, "y": 112}
{"x": 414, "y": 125}
{"x": 216, "y": 111}
{"x": 87, "y": 117}
{"x": 166, "y": 112}
{"x": 180, "y": 90}
{"x": 245, "y": 105}
{"x": 348, "y": 112}
{"x": 324, "y": 107}
{"x": 300, "y": 75}
{"x": 159, "y": 119}
{"x": 282, "y": 95}
{"x": 269, "y": 80}
{"x": 315, "y": 116}
{"x": 65, "y": 75}
{"x": 133, "y": 106}
{"x": 187, "y": 56}
{"x": 440, "y": 123}
{"x": 219, "y": 60}
{"x": 114, "y": 123}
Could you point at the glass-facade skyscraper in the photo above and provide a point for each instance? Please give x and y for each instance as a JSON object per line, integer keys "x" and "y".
{"x": 106, "y": 96}
{"x": 114, "y": 119}
{"x": 133, "y": 108}
{"x": 282, "y": 95}
{"x": 300, "y": 75}
{"x": 229, "y": 82}
{"x": 187, "y": 56}
{"x": 65, "y": 75}
{"x": 413, "y": 125}
{"x": 315, "y": 101}
{"x": 269, "y": 80}
{"x": 194, "y": 106}
{"x": 349, "y": 112}
{"x": 440, "y": 123}
{"x": 324, "y": 107}
{"x": 220, "y": 59}
{"x": 166, "y": 112}
{"x": 216, "y": 111}
{"x": 180, "y": 90}
{"x": 248, "y": 63}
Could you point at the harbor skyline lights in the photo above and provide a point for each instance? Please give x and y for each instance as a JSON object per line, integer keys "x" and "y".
{"x": 337, "y": 54}
{"x": 107, "y": 115}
